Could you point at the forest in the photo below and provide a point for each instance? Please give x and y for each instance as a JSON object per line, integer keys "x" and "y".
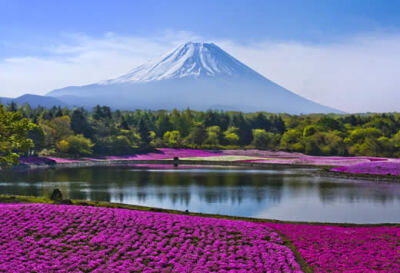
{"x": 77, "y": 132}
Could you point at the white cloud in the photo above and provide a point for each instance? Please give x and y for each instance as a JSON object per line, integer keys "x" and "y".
{"x": 83, "y": 60}
{"x": 355, "y": 75}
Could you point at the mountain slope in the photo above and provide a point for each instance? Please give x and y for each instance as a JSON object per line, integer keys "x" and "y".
{"x": 196, "y": 75}
{"x": 34, "y": 101}
{"x": 193, "y": 60}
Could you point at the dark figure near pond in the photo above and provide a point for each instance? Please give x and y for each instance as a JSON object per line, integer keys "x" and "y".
{"x": 176, "y": 159}
{"x": 56, "y": 195}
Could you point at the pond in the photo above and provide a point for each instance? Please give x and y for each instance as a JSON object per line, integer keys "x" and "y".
{"x": 284, "y": 194}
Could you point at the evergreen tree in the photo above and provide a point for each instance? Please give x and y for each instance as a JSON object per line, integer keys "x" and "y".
{"x": 80, "y": 124}
{"x": 144, "y": 131}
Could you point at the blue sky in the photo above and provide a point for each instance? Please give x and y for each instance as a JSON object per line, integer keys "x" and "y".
{"x": 50, "y": 44}
{"x": 301, "y": 20}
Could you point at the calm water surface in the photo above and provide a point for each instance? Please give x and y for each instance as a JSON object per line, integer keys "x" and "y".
{"x": 287, "y": 194}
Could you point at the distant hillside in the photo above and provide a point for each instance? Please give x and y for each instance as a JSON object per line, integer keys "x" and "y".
{"x": 34, "y": 101}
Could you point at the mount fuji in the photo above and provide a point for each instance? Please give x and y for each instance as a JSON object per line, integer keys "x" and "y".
{"x": 200, "y": 76}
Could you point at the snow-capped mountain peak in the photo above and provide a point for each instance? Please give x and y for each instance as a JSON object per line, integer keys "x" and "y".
{"x": 200, "y": 76}
{"x": 192, "y": 59}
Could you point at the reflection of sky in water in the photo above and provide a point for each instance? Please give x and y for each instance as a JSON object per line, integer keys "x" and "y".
{"x": 291, "y": 194}
{"x": 299, "y": 209}
{"x": 217, "y": 200}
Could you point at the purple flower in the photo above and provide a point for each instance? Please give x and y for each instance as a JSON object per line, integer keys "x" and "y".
{"x": 61, "y": 238}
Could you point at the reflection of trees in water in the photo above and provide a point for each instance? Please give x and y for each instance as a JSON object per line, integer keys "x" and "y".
{"x": 102, "y": 183}
{"x": 179, "y": 187}
{"x": 99, "y": 195}
{"x": 21, "y": 190}
{"x": 354, "y": 192}
{"x": 180, "y": 197}
{"x": 118, "y": 184}
{"x": 141, "y": 196}
{"x": 234, "y": 188}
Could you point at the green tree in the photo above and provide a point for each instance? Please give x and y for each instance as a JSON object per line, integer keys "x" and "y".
{"x": 144, "y": 131}
{"x": 291, "y": 141}
{"x": 102, "y": 113}
{"x": 244, "y": 128}
{"x": 327, "y": 123}
{"x": 75, "y": 145}
{"x": 62, "y": 146}
{"x": 260, "y": 121}
{"x": 172, "y": 138}
{"x": 359, "y": 135}
{"x": 197, "y": 135}
{"x": 396, "y": 140}
{"x": 324, "y": 143}
{"x": 386, "y": 146}
{"x": 14, "y": 139}
{"x": 309, "y": 130}
{"x": 231, "y": 135}
{"x": 213, "y": 135}
{"x": 56, "y": 129}
{"x": 38, "y": 137}
{"x": 163, "y": 124}
{"x": 181, "y": 121}
{"x": 80, "y": 124}
{"x": 262, "y": 139}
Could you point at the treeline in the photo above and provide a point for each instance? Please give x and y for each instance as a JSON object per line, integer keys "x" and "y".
{"x": 77, "y": 132}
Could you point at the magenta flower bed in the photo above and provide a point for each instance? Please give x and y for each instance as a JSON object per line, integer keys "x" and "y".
{"x": 273, "y": 157}
{"x": 166, "y": 153}
{"x": 346, "y": 249}
{"x": 270, "y": 157}
{"x": 378, "y": 168}
{"x": 167, "y": 166}
{"x": 61, "y": 238}
{"x": 262, "y": 153}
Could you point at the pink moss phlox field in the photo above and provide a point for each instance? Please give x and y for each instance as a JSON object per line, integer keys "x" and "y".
{"x": 377, "y": 168}
{"x": 270, "y": 157}
{"x": 262, "y": 153}
{"x": 166, "y": 153}
{"x": 166, "y": 166}
{"x": 300, "y": 159}
{"x": 62, "y": 238}
{"x": 280, "y": 157}
{"x": 346, "y": 249}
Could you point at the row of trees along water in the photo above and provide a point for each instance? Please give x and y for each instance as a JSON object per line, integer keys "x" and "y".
{"x": 78, "y": 132}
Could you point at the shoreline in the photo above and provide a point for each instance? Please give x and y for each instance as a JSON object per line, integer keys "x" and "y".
{"x": 43, "y": 200}
{"x": 323, "y": 170}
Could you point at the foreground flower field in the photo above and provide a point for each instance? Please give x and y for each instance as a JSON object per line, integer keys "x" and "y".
{"x": 61, "y": 238}
{"x": 346, "y": 249}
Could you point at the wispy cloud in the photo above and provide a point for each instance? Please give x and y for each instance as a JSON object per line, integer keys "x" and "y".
{"x": 82, "y": 60}
{"x": 355, "y": 75}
